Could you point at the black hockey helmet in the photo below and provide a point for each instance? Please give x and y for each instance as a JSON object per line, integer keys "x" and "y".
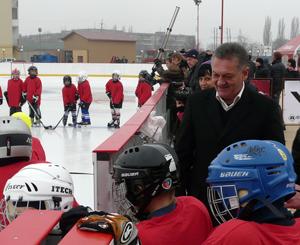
{"x": 32, "y": 71}
{"x": 147, "y": 171}
{"x": 67, "y": 80}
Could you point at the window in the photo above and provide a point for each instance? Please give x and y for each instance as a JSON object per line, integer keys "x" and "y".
{"x": 80, "y": 59}
{"x": 14, "y": 13}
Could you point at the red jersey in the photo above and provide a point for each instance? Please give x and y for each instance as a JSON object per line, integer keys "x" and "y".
{"x": 116, "y": 91}
{"x": 14, "y": 92}
{"x": 33, "y": 87}
{"x": 236, "y": 232}
{"x": 69, "y": 94}
{"x": 143, "y": 91}
{"x": 84, "y": 91}
{"x": 188, "y": 223}
{"x": 1, "y": 93}
{"x": 38, "y": 153}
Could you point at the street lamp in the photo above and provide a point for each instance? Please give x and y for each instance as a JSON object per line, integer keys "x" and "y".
{"x": 222, "y": 21}
{"x": 197, "y": 2}
{"x": 40, "y": 41}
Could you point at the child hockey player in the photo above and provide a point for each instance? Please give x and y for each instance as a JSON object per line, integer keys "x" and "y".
{"x": 13, "y": 94}
{"x": 86, "y": 98}
{"x": 32, "y": 91}
{"x": 70, "y": 96}
{"x": 114, "y": 91}
{"x": 144, "y": 89}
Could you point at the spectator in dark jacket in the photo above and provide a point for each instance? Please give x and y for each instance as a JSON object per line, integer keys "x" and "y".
{"x": 261, "y": 70}
{"x": 277, "y": 74}
{"x": 192, "y": 56}
{"x": 291, "y": 71}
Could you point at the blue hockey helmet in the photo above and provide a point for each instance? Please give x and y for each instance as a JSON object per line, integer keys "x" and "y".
{"x": 254, "y": 171}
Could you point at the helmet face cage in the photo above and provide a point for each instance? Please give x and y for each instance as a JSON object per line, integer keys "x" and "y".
{"x": 223, "y": 202}
{"x": 15, "y": 73}
{"x": 67, "y": 80}
{"x": 82, "y": 76}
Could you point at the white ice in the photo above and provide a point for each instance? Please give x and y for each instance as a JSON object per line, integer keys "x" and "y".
{"x": 73, "y": 147}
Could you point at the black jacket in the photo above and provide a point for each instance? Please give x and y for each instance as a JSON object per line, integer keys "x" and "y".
{"x": 193, "y": 78}
{"x": 203, "y": 134}
{"x": 277, "y": 74}
{"x": 262, "y": 72}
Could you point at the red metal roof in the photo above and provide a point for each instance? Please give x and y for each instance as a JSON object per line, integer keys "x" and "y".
{"x": 291, "y": 47}
{"x": 95, "y": 34}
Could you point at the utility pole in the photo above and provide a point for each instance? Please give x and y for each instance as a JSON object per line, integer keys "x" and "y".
{"x": 197, "y": 2}
{"x": 222, "y": 21}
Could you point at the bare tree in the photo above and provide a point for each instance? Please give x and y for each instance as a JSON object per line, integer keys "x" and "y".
{"x": 281, "y": 29}
{"x": 280, "y": 40}
{"x": 241, "y": 39}
{"x": 294, "y": 27}
{"x": 267, "y": 31}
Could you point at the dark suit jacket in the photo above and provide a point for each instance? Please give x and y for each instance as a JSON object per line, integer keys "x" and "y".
{"x": 202, "y": 135}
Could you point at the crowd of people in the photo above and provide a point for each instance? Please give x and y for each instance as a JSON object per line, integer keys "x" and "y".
{"x": 227, "y": 177}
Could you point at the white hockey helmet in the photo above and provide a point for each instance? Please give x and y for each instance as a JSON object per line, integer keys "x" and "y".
{"x": 40, "y": 186}
{"x": 15, "y": 140}
{"x": 116, "y": 75}
{"x": 82, "y": 76}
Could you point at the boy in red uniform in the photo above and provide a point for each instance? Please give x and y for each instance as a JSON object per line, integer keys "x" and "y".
{"x": 144, "y": 89}
{"x": 86, "y": 98}
{"x": 32, "y": 91}
{"x": 114, "y": 91}
{"x": 70, "y": 96}
{"x": 149, "y": 175}
{"x": 14, "y": 92}
{"x": 250, "y": 182}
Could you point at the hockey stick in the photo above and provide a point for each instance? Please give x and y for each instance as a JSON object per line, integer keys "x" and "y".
{"x": 60, "y": 120}
{"x": 37, "y": 115}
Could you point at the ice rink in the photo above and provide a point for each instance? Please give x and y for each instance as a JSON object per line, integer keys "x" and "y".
{"x": 73, "y": 147}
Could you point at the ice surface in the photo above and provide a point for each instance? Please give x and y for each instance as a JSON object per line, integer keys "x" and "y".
{"x": 73, "y": 147}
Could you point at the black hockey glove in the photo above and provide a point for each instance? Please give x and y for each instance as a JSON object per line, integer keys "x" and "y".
{"x": 108, "y": 94}
{"x": 69, "y": 218}
{"x": 76, "y": 96}
{"x": 35, "y": 98}
{"x": 1, "y": 101}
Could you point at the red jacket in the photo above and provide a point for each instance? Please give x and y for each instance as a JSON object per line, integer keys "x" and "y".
{"x": 116, "y": 91}
{"x": 14, "y": 92}
{"x": 69, "y": 94}
{"x": 38, "y": 153}
{"x": 188, "y": 223}
{"x": 84, "y": 91}
{"x": 143, "y": 91}
{"x": 236, "y": 232}
{"x": 33, "y": 87}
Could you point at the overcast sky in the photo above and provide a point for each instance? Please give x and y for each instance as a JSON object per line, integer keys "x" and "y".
{"x": 155, "y": 15}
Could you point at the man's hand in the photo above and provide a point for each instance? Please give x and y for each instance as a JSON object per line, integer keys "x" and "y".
{"x": 294, "y": 202}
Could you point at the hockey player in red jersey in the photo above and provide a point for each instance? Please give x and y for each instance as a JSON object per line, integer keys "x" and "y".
{"x": 147, "y": 175}
{"x": 70, "y": 96}
{"x": 32, "y": 91}
{"x": 86, "y": 98}
{"x": 13, "y": 94}
{"x": 249, "y": 183}
{"x": 114, "y": 91}
{"x": 143, "y": 90}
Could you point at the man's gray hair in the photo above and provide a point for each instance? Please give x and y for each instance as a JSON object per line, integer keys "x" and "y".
{"x": 230, "y": 51}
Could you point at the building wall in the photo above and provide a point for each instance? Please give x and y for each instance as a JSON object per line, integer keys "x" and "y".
{"x": 6, "y": 38}
{"x": 98, "y": 51}
{"x": 103, "y": 51}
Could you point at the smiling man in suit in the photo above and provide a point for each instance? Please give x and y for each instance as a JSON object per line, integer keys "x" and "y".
{"x": 218, "y": 117}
